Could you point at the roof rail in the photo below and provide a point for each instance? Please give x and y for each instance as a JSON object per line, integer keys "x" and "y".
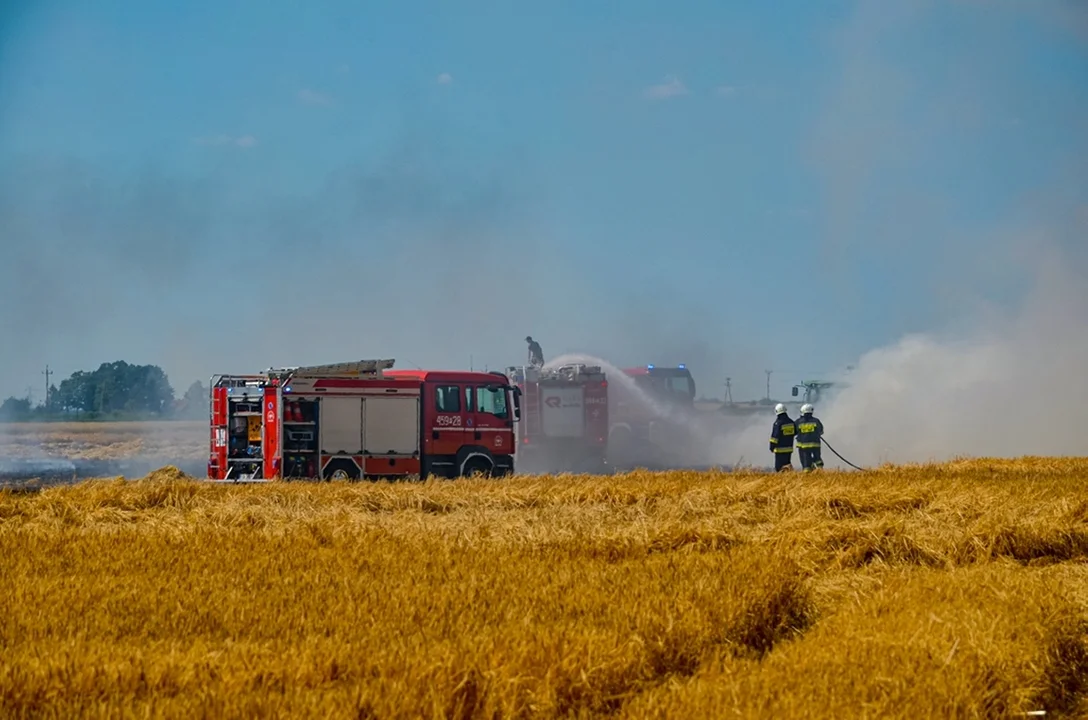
{"x": 571, "y": 372}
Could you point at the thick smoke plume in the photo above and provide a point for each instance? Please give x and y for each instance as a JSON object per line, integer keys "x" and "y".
{"x": 1015, "y": 384}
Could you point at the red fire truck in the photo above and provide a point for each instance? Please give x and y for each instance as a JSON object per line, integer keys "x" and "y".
{"x": 360, "y": 419}
{"x": 649, "y": 422}
{"x": 564, "y": 418}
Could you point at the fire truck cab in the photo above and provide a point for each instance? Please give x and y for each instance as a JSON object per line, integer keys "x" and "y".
{"x": 468, "y": 421}
{"x": 356, "y": 420}
{"x": 647, "y": 416}
{"x": 564, "y": 419}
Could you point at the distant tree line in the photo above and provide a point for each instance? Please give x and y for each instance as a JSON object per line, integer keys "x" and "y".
{"x": 115, "y": 391}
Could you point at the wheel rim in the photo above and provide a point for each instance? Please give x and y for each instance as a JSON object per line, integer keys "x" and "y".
{"x": 339, "y": 474}
{"x": 477, "y": 467}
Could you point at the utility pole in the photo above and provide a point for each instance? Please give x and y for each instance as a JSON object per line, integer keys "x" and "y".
{"x": 768, "y": 383}
{"x": 47, "y": 372}
{"x": 729, "y": 391}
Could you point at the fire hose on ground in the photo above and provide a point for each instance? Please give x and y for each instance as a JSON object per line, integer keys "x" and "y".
{"x": 840, "y": 457}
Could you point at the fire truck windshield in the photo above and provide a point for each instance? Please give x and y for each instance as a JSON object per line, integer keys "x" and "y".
{"x": 492, "y": 400}
{"x": 673, "y": 383}
{"x": 681, "y": 384}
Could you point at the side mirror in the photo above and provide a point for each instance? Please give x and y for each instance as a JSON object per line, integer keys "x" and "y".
{"x": 794, "y": 392}
{"x": 517, "y": 402}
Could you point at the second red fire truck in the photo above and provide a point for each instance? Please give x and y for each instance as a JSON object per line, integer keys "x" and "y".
{"x": 564, "y": 418}
{"x": 360, "y": 419}
{"x": 651, "y": 417}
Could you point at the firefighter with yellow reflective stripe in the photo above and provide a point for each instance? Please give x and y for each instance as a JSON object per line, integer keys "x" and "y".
{"x": 809, "y": 432}
{"x": 782, "y": 434}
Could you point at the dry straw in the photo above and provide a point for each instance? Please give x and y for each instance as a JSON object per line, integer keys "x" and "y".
{"x": 956, "y": 590}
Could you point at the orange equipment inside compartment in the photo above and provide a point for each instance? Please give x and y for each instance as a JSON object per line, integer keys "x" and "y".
{"x": 254, "y": 428}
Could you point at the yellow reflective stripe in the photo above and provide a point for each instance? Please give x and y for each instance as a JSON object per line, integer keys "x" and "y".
{"x": 774, "y": 440}
{"x": 783, "y": 450}
{"x": 806, "y": 446}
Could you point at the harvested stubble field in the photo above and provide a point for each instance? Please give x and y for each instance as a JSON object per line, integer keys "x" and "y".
{"x": 180, "y": 440}
{"x": 958, "y": 590}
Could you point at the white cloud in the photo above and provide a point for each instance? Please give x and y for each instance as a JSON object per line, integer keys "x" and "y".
{"x": 672, "y": 87}
{"x": 242, "y": 141}
{"x": 444, "y": 79}
{"x": 726, "y": 90}
{"x": 313, "y": 97}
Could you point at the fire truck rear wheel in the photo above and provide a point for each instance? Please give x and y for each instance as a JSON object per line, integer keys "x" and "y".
{"x": 341, "y": 470}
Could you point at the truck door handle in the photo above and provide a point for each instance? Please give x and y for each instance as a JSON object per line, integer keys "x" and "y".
{"x": 434, "y": 434}
{"x": 477, "y": 434}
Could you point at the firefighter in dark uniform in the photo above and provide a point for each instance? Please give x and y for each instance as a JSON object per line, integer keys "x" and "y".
{"x": 782, "y": 434}
{"x": 809, "y": 432}
{"x": 536, "y": 355}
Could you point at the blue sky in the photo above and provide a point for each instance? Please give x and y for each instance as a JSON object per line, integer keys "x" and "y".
{"x": 221, "y": 186}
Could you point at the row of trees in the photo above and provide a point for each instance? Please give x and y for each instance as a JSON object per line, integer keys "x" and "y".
{"x": 115, "y": 390}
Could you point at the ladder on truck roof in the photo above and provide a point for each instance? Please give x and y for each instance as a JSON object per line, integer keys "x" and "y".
{"x": 357, "y": 369}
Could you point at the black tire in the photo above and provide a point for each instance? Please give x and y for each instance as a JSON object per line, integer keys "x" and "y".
{"x": 477, "y": 465}
{"x": 341, "y": 469}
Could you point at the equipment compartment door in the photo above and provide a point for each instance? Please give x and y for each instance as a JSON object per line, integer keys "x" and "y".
{"x": 272, "y": 431}
{"x": 217, "y": 461}
{"x": 341, "y": 426}
{"x": 563, "y": 412}
{"x": 391, "y": 424}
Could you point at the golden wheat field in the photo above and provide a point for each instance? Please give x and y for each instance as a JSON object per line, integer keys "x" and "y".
{"x": 951, "y": 591}
{"x": 180, "y": 440}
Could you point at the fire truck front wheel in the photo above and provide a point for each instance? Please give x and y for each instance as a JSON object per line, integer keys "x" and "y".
{"x": 477, "y": 465}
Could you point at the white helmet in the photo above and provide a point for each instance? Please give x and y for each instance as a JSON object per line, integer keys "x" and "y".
{"x": 779, "y": 409}
{"x": 806, "y": 409}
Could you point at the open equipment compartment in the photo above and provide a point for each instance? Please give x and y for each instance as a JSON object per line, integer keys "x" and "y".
{"x": 245, "y": 428}
{"x": 300, "y": 436}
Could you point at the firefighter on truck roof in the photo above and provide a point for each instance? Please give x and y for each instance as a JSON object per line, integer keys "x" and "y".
{"x": 782, "y": 434}
{"x": 536, "y": 355}
{"x": 809, "y": 432}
